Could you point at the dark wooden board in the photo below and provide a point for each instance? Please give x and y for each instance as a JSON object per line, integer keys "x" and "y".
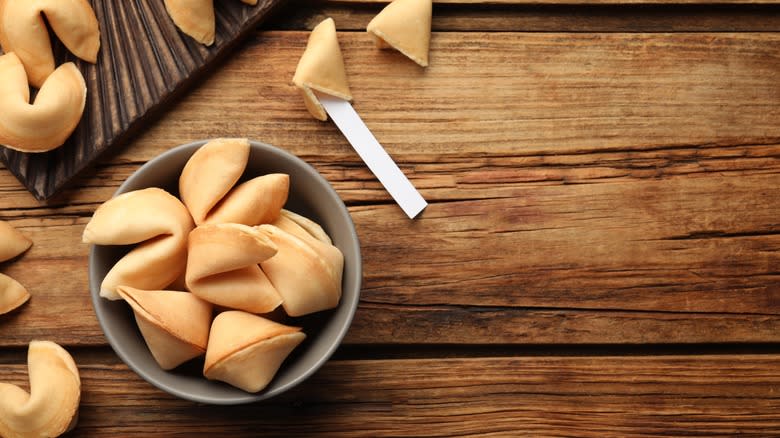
{"x": 144, "y": 63}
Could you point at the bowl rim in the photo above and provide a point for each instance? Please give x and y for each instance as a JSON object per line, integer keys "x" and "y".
{"x": 94, "y": 289}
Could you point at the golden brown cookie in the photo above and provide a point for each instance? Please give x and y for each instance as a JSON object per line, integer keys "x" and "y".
{"x": 175, "y": 325}
{"x": 196, "y": 18}
{"x": 207, "y": 186}
{"x": 247, "y": 350}
{"x": 157, "y": 223}
{"x": 23, "y": 31}
{"x": 405, "y": 25}
{"x": 222, "y": 267}
{"x": 321, "y": 68}
{"x": 46, "y": 123}
{"x": 51, "y": 407}
{"x": 305, "y": 271}
{"x": 12, "y": 243}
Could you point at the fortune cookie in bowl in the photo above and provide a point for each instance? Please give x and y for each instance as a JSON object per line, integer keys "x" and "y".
{"x": 12, "y": 243}
{"x": 175, "y": 325}
{"x": 208, "y": 186}
{"x": 49, "y": 121}
{"x": 222, "y": 267}
{"x": 154, "y": 220}
{"x": 306, "y": 271}
{"x": 247, "y": 350}
{"x": 196, "y": 18}
{"x": 23, "y": 31}
{"x": 313, "y": 234}
{"x": 51, "y": 407}
{"x": 302, "y": 227}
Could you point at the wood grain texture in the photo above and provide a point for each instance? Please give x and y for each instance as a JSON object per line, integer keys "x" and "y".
{"x": 610, "y": 188}
{"x": 627, "y": 200}
{"x": 520, "y": 94}
{"x": 652, "y": 99}
{"x": 677, "y": 291}
{"x": 143, "y": 64}
{"x": 304, "y": 14}
{"x": 537, "y": 396}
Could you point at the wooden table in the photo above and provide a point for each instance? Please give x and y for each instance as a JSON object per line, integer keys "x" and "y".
{"x": 600, "y": 256}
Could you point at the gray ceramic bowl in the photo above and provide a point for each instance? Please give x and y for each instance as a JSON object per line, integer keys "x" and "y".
{"x": 311, "y": 196}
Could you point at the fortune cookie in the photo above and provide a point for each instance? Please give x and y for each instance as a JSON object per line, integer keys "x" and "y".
{"x": 196, "y": 18}
{"x": 51, "y": 407}
{"x": 404, "y": 25}
{"x": 156, "y": 221}
{"x": 246, "y": 350}
{"x": 12, "y": 243}
{"x": 302, "y": 227}
{"x": 23, "y": 31}
{"x": 305, "y": 271}
{"x": 207, "y": 187}
{"x": 311, "y": 233}
{"x": 175, "y": 325}
{"x": 222, "y": 267}
{"x": 321, "y": 68}
{"x": 48, "y": 122}
{"x": 12, "y": 294}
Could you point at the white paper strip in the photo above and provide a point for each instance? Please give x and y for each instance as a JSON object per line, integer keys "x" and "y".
{"x": 374, "y": 155}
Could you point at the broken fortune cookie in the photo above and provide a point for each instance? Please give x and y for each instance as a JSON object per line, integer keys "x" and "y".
{"x": 51, "y": 407}
{"x": 12, "y": 243}
{"x": 175, "y": 325}
{"x": 321, "y": 68}
{"x": 47, "y": 122}
{"x": 23, "y": 31}
{"x": 404, "y": 25}
{"x": 247, "y": 350}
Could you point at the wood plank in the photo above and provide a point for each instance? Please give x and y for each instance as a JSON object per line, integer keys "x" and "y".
{"x": 527, "y": 250}
{"x": 384, "y": 324}
{"x": 688, "y": 247}
{"x": 300, "y": 15}
{"x": 539, "y": 396}
{"x": 143, "y": 64}
{"x": 623, "y": 214}
{"x": 671, "y": 100}
{"x": 560, "y": 93}
{"x": 672, "y": 90}
{"x": 454, "y": 177}
{"x": 586, "y": 246}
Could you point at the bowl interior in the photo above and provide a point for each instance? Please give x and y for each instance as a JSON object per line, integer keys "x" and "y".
{"x": 311, "y": 196}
